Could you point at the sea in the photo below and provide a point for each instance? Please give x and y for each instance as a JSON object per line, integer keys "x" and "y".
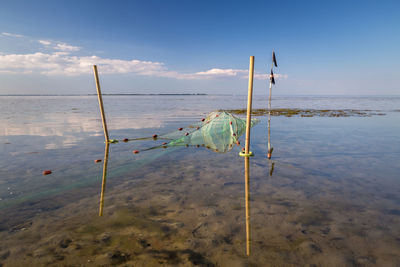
{"x": 328, "y": 196}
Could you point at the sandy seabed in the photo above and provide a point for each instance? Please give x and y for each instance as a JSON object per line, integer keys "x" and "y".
{"x": 194, "y": 215}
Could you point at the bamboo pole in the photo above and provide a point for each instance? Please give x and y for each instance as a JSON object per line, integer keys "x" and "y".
{"x": 247, "y": 203}
{"x": 247, "y": 151}
{"x": 104, "y": 180}
{"x": 249, "y": 103}
{"x": 103, "y": 116}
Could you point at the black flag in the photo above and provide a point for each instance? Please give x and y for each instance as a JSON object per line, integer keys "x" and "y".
{"x": 271, "y": 77}
{"x": 274, "y": 59}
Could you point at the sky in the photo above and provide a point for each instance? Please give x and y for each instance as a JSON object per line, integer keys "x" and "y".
{"x": 322, "y": 47}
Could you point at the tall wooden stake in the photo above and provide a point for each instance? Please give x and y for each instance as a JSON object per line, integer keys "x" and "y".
{"x": 249, "y": 103}
{"x": 247, "y": 151}
{"x": 104, "y": 180}
{"x": 103, "y": 116}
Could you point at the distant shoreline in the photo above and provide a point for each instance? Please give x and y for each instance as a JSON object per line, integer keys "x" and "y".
{"x": 203, "y": 94}
{"x": 102, "y": 94}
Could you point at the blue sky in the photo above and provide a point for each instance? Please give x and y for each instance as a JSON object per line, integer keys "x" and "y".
{"x": 322, "y": 47}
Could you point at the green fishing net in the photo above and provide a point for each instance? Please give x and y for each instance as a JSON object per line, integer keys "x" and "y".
{"x": 219, "y": 131}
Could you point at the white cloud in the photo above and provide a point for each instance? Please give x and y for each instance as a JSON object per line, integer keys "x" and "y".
{"x": 11, "y": 34}
{"x": 221, "y": 73}
{"x": 63, "y": 62}
{"x": 44, "y": 42}
{"x": 260, "y": 76}
{"x": 67, "y": 47}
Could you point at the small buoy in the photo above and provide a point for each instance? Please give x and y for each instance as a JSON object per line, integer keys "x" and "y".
{"x": 238, "y": 143}
{"x": 164, "y": 143}
{"x": 187, "y": 134}
{"x": 46, "y": 172}
{"x": 230, "y": 123}
{"x": 203, "y": 119}
{"x": 97, "y": 160}
{"x": 125, "y": 140}
{"x": 180, "y": 129}
{"x": 135, "y": 151}
{"x": 155, "y": 136}
{"x": 234, "y": 134}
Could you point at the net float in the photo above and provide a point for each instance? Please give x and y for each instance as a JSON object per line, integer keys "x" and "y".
{"x": 164, "y": 143}
{"x": 155, "y": 136}
{"x": 135, "y": 151}
{"x": 203, "y": 119}
{"x": 187, "y": 134}
{"x": 180, "y": 129}
{"x": 46, "y": 172}
{"x": 97, "y": 160}
{"x": 125, "y": 140}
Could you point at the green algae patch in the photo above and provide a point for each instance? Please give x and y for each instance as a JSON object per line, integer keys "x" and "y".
{"x": 287, "y": 112}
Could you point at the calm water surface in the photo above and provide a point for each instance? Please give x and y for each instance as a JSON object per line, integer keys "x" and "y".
{"x": 329, "y": 196}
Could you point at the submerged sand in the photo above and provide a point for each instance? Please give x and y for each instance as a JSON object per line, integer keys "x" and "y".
{"x": 193, "y": 215}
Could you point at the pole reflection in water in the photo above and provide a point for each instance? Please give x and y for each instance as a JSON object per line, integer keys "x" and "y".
{"x": 247, "y": 192}
{"x": 271, "y": 164}
{"x": 104, "y": 179}
{"x": 247, "y": 202}
{"x": 269, "y": 136}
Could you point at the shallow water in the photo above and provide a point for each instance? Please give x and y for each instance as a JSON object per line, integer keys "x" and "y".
{"x": 332, "y": 199}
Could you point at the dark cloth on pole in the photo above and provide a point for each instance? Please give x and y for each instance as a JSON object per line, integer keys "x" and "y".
{"x": 271, "y": 77}
{"x": 274, "y": 59}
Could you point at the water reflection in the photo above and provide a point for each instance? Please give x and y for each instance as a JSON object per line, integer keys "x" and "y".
{"x": 247, "y": 192}
{"x": 247, "y": 203}
{"x": 72, "y": 126}
{"x": 271, "y": 164}
{"x": 104, "y": 178}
